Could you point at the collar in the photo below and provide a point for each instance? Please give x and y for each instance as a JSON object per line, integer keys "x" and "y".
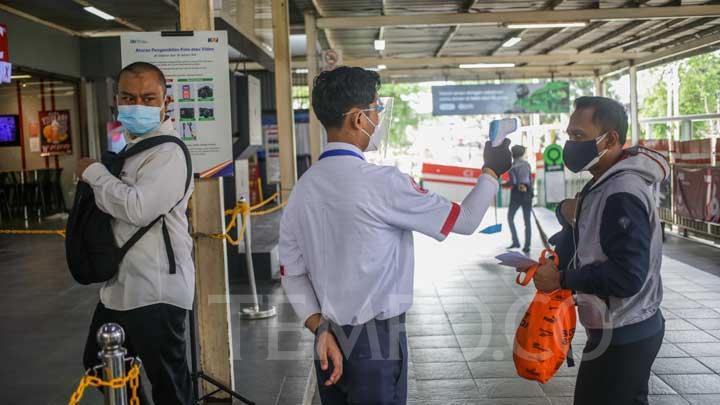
{"x": 166, "y": 128}
{"x": 344, "y": 146}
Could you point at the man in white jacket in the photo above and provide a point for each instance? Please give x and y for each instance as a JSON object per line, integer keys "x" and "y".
{"x": 346, "y": 243}
{"x": 152, "y": 292}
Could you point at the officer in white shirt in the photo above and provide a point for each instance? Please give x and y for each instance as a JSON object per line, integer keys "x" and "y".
{"x": 346, "y": 244}
{"x": 147, "y": 298}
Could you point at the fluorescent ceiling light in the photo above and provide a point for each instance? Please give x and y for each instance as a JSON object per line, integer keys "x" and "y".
{"x": 486, "y": 65}
{"x": 379, "y": 44}
{"x": 99, "y": 13}
{"x": 381, "y": 67}
{"x": 547, "y": 25}
{"x": 20, "y": 77}
{"x": 301, "y": 71}
{"x": 511, "y": 42}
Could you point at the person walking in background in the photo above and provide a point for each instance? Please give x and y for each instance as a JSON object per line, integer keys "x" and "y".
{"x": 521, "y": 195}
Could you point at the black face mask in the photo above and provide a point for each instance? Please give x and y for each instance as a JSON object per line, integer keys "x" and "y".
{"x": 580, "y": 156}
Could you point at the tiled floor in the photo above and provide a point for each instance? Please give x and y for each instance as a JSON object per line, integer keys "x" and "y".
{"x": 460, "y": 327}
{"x": 466, "y": 310}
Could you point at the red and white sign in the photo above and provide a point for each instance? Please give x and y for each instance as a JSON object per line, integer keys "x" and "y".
{"x": 451, "y": 182}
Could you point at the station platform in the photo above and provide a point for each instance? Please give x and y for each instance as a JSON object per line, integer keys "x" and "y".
{"x": 460, "y": 328}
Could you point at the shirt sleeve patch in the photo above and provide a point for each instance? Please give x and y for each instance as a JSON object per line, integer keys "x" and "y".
{"x": 451, "y": 219}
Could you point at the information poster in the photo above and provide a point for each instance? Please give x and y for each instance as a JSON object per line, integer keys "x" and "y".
{"x": 196, "y": 69}
{"x": 55, "y": 133}
{"x": 506, "y": 98}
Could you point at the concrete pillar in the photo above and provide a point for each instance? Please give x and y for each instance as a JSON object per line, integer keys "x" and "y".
{"x": 634, "y": 124}
{"x": 283, "y": 96}
{"x": 312, "y": 66}
{"x": 207, "y": 210}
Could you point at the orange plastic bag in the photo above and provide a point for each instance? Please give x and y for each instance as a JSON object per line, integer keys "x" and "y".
{"x": 542, "y": 340}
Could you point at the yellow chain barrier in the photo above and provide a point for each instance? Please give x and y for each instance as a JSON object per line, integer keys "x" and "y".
{"x": 132, "y": 378}
{"x": 60, "y": 232}
{"x": 264, "y": 203}
{"x": 269, "y": 210}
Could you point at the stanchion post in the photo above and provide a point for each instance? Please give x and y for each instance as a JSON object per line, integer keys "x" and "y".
{"x": 110, "y": 338}
{"x": 256, "y": 311}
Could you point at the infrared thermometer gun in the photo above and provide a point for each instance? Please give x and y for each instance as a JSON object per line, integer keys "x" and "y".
{"x": 500, "y": 129}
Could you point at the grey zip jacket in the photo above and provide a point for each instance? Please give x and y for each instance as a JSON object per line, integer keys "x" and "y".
{"x": 617, "y": 241}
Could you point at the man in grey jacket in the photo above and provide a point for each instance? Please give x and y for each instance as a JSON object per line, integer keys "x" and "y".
{"x": 610, "y": 253}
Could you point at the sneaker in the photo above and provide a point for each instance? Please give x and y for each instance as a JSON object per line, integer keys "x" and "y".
{"x": 513, "y": 246}
{"x": 526, "y": 249}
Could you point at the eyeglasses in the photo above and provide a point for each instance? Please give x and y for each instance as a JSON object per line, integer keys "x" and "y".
{"x": 378, "y": 107}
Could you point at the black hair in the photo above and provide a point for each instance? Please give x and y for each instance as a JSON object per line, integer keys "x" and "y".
{"x": 517, "y": 151}
{"x": 143, "y": 67}
{"x": 335, "y": 92}
{"x": 608, "y": 114}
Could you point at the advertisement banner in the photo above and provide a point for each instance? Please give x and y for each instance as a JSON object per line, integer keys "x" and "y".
{"x": 55, "y": 132}
{"x": 198, "y": 84}
{"x": 507, "y": 98}
{"x": 692, "y": 191}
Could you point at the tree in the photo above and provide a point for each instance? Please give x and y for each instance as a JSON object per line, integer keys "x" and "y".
{"x": 699, "y": 86}
{"x": 655, "y": 103}
{"x": 403, "y": 114}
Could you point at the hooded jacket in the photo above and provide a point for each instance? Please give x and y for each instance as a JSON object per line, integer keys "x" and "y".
{"x": 613, "y": 254}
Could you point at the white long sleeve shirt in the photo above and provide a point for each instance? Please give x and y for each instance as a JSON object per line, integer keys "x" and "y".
{"x": 346, "y": 236}
{"x": 150, "y": 184}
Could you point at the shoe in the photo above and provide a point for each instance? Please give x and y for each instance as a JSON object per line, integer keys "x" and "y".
{"x": 513, "y": 246}
{"x": 526, "y": 249}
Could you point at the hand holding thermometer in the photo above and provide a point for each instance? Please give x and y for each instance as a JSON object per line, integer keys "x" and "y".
{"x": 499, "y": 130}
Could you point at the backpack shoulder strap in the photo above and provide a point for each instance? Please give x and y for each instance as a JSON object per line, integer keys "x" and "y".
{"x": 156, "y": 141}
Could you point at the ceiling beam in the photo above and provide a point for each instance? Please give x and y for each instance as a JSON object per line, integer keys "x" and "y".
{"x": 117, "y": 19}
{"x": 591, "y": 27}
{"x": 666, "y": 34}
{"x": 46, "y": 23}
{"x": 558, "y": 59}
{"x": 525, "y": 70}
{"x": 549, "y": 5}
{"x": 454, "y": 29}
{"x": 668, "y": 55}
{"x": 556, "y": 16}
{"x": 640, "y": 35}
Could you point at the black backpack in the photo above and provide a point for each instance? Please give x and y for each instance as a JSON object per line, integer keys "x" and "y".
{"x": 90, "y": 248}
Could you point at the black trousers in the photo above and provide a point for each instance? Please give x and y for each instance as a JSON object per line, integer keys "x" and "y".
{"x": 374, "y": 368}
{"x": 155, "y": 333}
{"x": 620, "y": 375}
{"x": 519, "y": 199}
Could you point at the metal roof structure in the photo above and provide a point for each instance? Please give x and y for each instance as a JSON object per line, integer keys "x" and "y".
{"x": 429, "y": 39}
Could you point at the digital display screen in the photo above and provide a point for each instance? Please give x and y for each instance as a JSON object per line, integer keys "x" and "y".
{"x": 9, "y": 134}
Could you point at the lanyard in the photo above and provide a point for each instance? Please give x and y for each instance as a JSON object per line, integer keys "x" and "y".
{"x": 340, "y": 152}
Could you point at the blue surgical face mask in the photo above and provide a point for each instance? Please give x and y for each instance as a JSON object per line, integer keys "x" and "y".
{"x": 580, "y": 156}
{"x": 139, "y": 119}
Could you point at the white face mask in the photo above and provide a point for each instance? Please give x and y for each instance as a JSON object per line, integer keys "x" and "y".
{"x": 375, "y": 138}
